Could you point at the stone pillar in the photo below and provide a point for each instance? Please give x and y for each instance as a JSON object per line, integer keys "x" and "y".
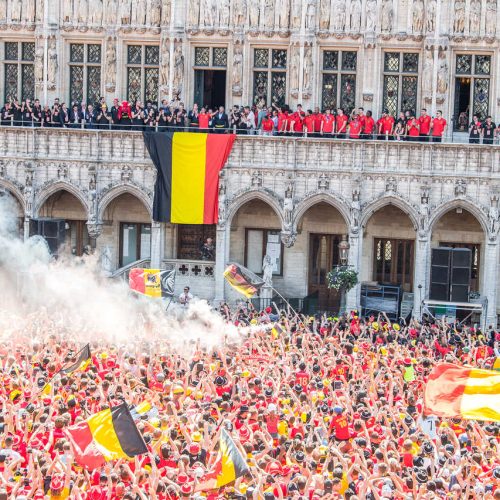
{"x": 353, "y": 299}
{"x": 94, "y": 229}
{"x": 421, "y": 273}
{"x": 26, "y": 227}
{"x": 490, "y": 278}
{"x": 157, "y": 239}
{"x": 221, "y": 259}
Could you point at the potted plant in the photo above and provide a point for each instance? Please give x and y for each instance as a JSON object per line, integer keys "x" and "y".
{"x": 342, "y": 279}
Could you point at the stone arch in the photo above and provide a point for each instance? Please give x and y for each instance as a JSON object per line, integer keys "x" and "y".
{"x": 468, "y": 205}
{"x": 117, "y": 191}
{"x": 315, "y": 198}
{"x": 53, "y": 188}
{"x": 267, "y": 197}
{"x": 397, "y": 201}
{"x": 14, "y": 191}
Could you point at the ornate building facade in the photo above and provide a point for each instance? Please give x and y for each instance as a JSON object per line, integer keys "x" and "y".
{"x": 292, "y": 198}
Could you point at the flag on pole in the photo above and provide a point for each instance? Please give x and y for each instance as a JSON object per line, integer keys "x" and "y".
{"x": 152, "y": 282}
{"x": 243, "y": 280}
{"x": 230, "y": 466}
{"x": 108, "y": 435}
{"x": 465, "y": 392}
{"x": 82, "y": 361}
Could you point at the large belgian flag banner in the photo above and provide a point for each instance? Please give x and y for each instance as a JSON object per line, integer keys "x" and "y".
{"x": 187, "y": 181}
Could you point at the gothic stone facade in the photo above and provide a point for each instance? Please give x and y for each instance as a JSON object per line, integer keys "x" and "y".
{"x": 424, "y": 194}
{"x": 395, "y": 54}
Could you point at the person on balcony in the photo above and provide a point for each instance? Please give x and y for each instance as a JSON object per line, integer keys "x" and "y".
{"x": 488, "y": 129}
{"x": 75, "y": 117}
{"x": 207, "y": 250}
{"x": 474, "y": 130}
{"x": 220, "y": 121}
{"x": 438, "y": 126}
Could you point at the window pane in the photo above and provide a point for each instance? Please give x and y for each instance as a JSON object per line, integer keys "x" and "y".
{"x": 329, "y": 91}
{"x": 330, "y": 59}
{"x": 255, "y": 245}
{"x": 391, "y": 61}
{"x": 273, "y": 249}
{"x": 28, "y": 51}
{"x": 220, "y": 57}
{"x": 129, "y": 244}
{"x": 390, "y": 101}
{"x": 279, "y": 58}
{"x": 481, "y": 97}
{"x": 261, "y": 58}
{"x": 94, "y": 53}
{"x": 11, "y": 51}
{"x": 76, "y": 84}
{"x": 152, "y": 54}
{"x": 134, "y": 54}
{"x": 483, "y": 65}
{"x": 10, "y": 81}
{"x": 410, "y": 63}
{"x": 278, "y": 88}
{"x": 145, "y": 241}
{"x": 409, "y": 93}
{"x": 349, "y": 61}
{"x": 27, "y": 81}
{"x": 464, "y": 64}
{"x": 93, "y": 84}
{"x": 201, "y": 56}
{"x": 76, "y": 52}
{"x": 259, "y": 86}
{"x": 348, "y": 92}
{"x": 151, "y": 85}
{"x": 133, "y": 84}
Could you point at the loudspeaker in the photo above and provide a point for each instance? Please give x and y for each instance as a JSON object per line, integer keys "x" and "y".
{"x": 440, "y": 274}
{"x": 460, "y": 274}
{"x": 53, "y": 230}
{"x": 450, "y": 274}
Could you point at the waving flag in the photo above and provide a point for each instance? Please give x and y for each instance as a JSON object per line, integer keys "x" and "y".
{"x": 152, "y": 282}
{"x": 108, "y": 435}
{"x": 243, "y": 280}
{"x": 459, "y": 391}
{"x": 230, "y": 466}
{"x": 83, "y": 360}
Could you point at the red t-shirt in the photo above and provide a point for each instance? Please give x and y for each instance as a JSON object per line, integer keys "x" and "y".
{"x": 309, "y": 123}
{"x": 302, "y": 378}
{"x": 355, "y": 129}
{"x": 438, "y": 125}
{"x": 318, "y": 118}
{"x": 369, "y": 125}
{"x": 267, "y": 125}
{"x": 297, "y": 118}
{"x": 328, "y": 122}
{"x": 425, "y": 124}
{"x": 341, "y": 121}
{"x": 386, "y": 124}
{"x": 413, "y": 130}
{"x": 341, "y": 427}
{"x": 203, "y": 119}
{"x": 282, "y": 118}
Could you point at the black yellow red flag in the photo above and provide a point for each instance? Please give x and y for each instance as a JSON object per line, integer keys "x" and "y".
{"x": 243, "y": 280}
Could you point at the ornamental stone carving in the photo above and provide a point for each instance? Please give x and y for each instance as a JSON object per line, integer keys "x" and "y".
{"x": 111, "y": 64}
{"x": 430, "y": 16}
{"x": 459, "y": 16}
{"x": 418, "y": 16}
{"x": 237, "y": 72}
{"x": 474, "y": 17}
{"x": 324, "y": 15}
{"x": 53, "y": 64}
{"x": 460, "y": 187}
{"x": 491, "y": 17}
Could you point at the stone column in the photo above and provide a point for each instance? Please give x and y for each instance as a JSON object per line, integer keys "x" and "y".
{"x": 490, "y": 279}
{"x": 157, "y": 239}
{"x": 421, "y": 273}
{"x": 221, "y": 259}
{"x": 353, "y": 299}
{"x": 94, "y": 229}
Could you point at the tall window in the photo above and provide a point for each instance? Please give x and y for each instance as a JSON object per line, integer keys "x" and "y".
{"x": 190, "y": 239}
{"x": 135, "y": 242}
{"x": 84, "y": 72}
{"x": 393, "y": 262}
{"x": 400, "y": 81}
{"x": 269, "y": 76}
{"x": 143, "y": 63}
{"x": 19, "y": 70}
{"x": 261, "y": 242}
{"x": 339, "y": 80}
{"x": 210, "y": 65}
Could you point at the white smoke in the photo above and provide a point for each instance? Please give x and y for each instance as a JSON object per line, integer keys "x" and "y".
{"x": 69, "y": 298}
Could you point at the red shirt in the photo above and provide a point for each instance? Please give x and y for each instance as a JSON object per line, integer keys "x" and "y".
{"x": 328, "y": 122}
{"x": 413, "y": 130}
{"x": 297, "y": 117}
{"x": 203, "y": 119}
{"x": 369, "y": 125}
{"x": 309, "y": 123}
{"x": 282, "y": 119}
{"x": 386, "y": 124}
{"x": 302, "y": 378}
{"x": 341, "y": 121}
{"x": 355, "y": 129}
{"x": 318, "y": 118}
{"x": 438, "y": 125}
{"x": 341, "y": 427}
{"x": 267, "y": 125}
{"x": 425, "y": 124}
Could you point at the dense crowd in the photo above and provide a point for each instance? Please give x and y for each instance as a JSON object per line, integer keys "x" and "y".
{"x": 256, "y": 119}
{"x": 320, "y": 407}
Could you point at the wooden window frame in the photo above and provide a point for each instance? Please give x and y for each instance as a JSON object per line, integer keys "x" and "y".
{"x": 266, "y": 232}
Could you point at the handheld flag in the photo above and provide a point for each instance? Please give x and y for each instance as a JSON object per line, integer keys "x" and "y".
{"x": 82, "y": 360}
{"x": 194, "y": 199}
{"x": 230, "y": 466}
{"x": 152, "y": 282}
{"x": 458, "y": 391}
{"x": 243, "y": 280}
{"x": 108, "y": 435}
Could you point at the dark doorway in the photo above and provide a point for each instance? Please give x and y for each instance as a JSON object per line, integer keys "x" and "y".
{"x": 462, "y": 103}
{"x": 210, "y": 87}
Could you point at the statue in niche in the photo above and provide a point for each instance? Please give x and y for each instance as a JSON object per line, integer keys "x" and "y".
{"x": 283, "y": 13}
{"x": 95, "y": 12}
{"x": 166, "y": 11}
{"x": 459, "y": 16}
{"x": 53, "y": 65}
{"x": 418, "y": 16}
{"x": 307, "y": 69}
{"x": 193, "y": 13}
{"x": 475, "y": 16}
{"x": 339, "y": 15}
{"x": 269, "y": 14}
{"x": 428, "y": 70}
{"x": 267, "y": 270}
{"x": 39, "y": 64}
{"x": 110, "y": 12}
{"x": 39, "y": 11}
{"x": 224, "y": 13}
{"x": 371, "y": 15}
{"x": 3, "y": 11}
{"x": 493, "y": 216}
{"x": 111, "y": 63}
{"x": 164, "y": 63}
{"x": 310, "y": 14}
{"x": 296, "y": 13}
{"x": 178, "y": 68}
{"x": 138, "y": 12}
{"x": 82, "y": 13}
{"x": 240, "y": 13}
{"x": 237, "y": 67}
{"x": 254, "y": 16}
{"x": 208, "y": 13}
{"x": 294, "y": 69}
{"x": 153, "y": 13}
{"x": 355, "y": 15}
{"x": 324, "y": 15}
{"x": 28, "y": 11}
{"x": 491, "y": 17}
{"x": 387, "y": 16}
{"x": 125, "y": 12}
{"x": 442, "y": 76}
{"x": 15, "y": 11}
{"x": 430, "y": 16}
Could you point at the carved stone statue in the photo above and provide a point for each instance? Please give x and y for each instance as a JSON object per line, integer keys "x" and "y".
{"x": 178, "y": 68}
{"x": 296, "y": 13}
{"x": 307, "y": 70}
{"x": 430, "y": 16}
{"x": 324, "y": 15}
{"x": 418, "y": 16}
{"x": 355, "y": 214}
{"x": 339, "y": 14}
{"x": 442, "y": 76}
{"x": 423, "y": 212}
{"x": 222, "y": 204}
{"x": 269, "y": 14}
{"x": 66, "y": 12}
{"x": 28, "y": 11}
{"x": 53, "y": 65}
{"x": 237, "y": 67}
{"x": 493, "y": 219}
{"x": 294, "y": 69}
{"x": 371, "y": 15}
{"x": 428, "y": 71}
{"x": 82, "y": 13}
{"x": 240, "y": 13}
{"x": 254, "y": 16}
{"x": 106, "y": 262}
{"x": 355, "y": 15}
{"x": 95, "y": 17}
{"x": 387, "y": 16}
{"x": 39, "y": 64}
{"x": 208, "y": 13}
{"x": 110, "y": 12}
{"x": 125, "y": 12}
{"x": 3, "y": 11}
{"x": 153, "y": 13}
{"x": 310, "y": 14}
{"x": 39, "y": 11}
{"x": 193, "y": 12}
{"x": 15, "y": 11}
{"x": 459, "y": 16}
{"x": 475, "y": 17}
{"x": 111, "y": 64}
{"x": 138, "y": 17}
{"x": 224, "y": 13}
{"x": 283, "y": 14}
{"x": 166, "y": 12}
{"x": 491, "y": 17}
{"x": 267, "y": 270}
{"x": 164, "y": 63}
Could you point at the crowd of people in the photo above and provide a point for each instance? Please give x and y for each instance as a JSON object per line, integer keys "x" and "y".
{"x": 256, "y": 119}
{"x": 319, "y": 407}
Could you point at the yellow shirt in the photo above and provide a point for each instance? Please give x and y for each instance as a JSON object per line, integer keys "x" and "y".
{"x": 64, "y": 495}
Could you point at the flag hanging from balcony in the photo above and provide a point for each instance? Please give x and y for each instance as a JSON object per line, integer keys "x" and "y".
{"x": 187, "y": 180}
{"x": 152, "y": 282}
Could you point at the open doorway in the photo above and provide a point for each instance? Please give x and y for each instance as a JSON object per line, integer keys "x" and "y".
{"x": 210, "y": 87}
{"x": 462, "y": 103}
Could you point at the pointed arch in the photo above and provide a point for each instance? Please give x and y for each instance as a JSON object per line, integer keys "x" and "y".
{"x": 267, "y": 197}
{"x": 14, "y": 191}
{"x": 313, "y": 199}
{"x": 53, "y": 188}
{"x": 384, "y": 201}
{"x": 468, "y": 205}
{"x": 117, "y": 191}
